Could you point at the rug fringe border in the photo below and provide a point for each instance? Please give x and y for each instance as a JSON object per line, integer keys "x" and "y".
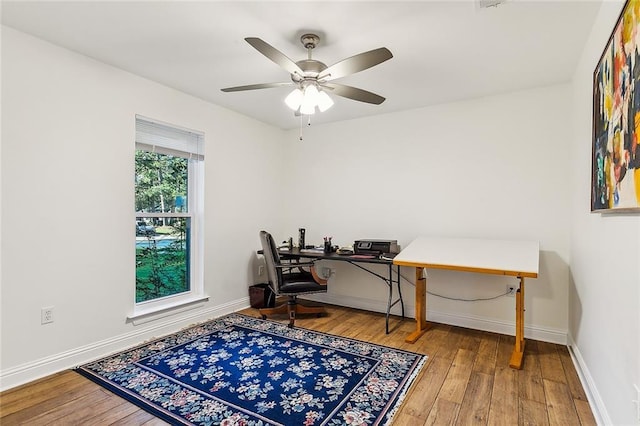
{"x": 411, "y": 383}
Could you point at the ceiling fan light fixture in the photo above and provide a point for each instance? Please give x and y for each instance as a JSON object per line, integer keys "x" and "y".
{"x": 306, "y": 100}
{"x": 307, "y": 109}
{"x": 294, "y": 99}
{"x": 324, "y": 101}
{"x": 309, "y": 100}
{"x": 310, "y": 77}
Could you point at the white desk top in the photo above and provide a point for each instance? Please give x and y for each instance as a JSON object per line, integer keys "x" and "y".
{"x": 503, "y": 257}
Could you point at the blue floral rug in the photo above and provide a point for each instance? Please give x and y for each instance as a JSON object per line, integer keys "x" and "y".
{"x": 239, "y": 370}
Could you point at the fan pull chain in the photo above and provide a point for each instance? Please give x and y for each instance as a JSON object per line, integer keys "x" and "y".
{"x": 301, "y": 127}
{"x": 308, "y": 123}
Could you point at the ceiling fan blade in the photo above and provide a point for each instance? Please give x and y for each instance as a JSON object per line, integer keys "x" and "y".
{"x": 354, "y": 93}
{"x": 256, "y": 86}
{"x": 275, "y": 55}
{"x": 356, "y": 64}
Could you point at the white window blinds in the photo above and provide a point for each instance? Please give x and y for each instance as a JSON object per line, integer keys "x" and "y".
{"x": 153, "y": 136}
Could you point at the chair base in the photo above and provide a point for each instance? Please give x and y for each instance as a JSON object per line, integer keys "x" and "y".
{"x": 292, "y": 307}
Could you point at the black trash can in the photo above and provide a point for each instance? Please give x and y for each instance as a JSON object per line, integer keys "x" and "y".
{"x": 261, "y": 296}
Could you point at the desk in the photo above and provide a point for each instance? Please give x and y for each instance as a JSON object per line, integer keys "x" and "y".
{"x": 355, "y": 260}
{"x": 512, "y": 258}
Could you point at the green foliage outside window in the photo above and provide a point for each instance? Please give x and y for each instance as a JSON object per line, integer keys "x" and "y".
{"x": 160, "y": 179}
{"x": 162, "y": 253}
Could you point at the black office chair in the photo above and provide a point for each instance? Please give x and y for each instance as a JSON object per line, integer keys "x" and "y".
{"x": 284, "y": 281}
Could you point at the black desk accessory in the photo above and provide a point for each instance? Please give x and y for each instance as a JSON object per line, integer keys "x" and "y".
{"x": 376, "y": 247}
{"x": 301, "y": 232}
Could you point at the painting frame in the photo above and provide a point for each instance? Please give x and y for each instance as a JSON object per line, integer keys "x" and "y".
{"x": 615, "y": 157}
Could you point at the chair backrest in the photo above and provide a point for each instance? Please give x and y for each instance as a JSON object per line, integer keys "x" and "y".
{"x": 272, "y": 259}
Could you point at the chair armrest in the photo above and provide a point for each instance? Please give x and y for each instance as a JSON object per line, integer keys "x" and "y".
{"x": 312, "y": 269}
{"x": 316, "y": 277}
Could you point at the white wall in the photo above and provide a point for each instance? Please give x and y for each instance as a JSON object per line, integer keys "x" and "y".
{"x": 604, "y": 296}
{"x": 487, "y": 168}
{"x": 67, "y": 204}
{"x": 507, "y": 166}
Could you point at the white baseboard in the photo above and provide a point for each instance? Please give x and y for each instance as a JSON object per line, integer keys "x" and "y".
{"x": 543, "y": 334}
{"x": 595, "y": 400}
{"x": 501, "y": 327}
{"x": 30, "y": 371}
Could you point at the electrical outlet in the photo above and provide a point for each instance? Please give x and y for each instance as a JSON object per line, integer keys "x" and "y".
{"x": 511, "y": 290}
{"x": 260, "y": 270}
{"x": 327, "y": 272}
{"x": 46, "y": 315}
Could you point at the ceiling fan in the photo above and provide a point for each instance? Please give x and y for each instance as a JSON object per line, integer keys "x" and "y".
{"x": 313, "y": 79}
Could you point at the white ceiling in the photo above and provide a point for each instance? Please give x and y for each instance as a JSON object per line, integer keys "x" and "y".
{"x": 443, "y": 50}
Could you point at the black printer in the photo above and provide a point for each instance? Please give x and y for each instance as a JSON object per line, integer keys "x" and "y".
{"x": 376, "y": 247}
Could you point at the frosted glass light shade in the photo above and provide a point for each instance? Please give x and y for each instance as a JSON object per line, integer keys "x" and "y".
{"x": 294, "y": 99}
{"x": 307, "y": 109}
{"x": 310, "y": 100}
{"x": 324, "y": 101}
{"x": 307, "y": 99}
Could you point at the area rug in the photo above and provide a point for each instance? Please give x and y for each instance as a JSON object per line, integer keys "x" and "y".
{"x": 240, "y": 370}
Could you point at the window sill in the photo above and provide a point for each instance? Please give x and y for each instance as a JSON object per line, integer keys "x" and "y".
{"x": 142, "y": 315}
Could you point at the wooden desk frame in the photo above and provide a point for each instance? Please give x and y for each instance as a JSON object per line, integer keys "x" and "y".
{"x": 421, "y": 301}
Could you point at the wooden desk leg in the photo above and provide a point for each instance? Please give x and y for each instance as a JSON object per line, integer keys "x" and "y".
{"x": 421, "y": 307}
{"x": 518, "y": 350}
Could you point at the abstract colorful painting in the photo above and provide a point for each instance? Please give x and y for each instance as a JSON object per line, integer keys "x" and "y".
{"x": 615, "y": 171}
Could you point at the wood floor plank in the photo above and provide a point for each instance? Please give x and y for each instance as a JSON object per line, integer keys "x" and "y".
{"x": 32, "y": 409}
{"x": 119, "y": 410}
{"x": 584, "y": 413}
{"x": 423, "y": 395}
{"x": 139, "y": 418}
{"x": 405, "y": 419}
{"x": 573, "y": 381}
{"x": 154, "y": 422}
{"x": 530, "y": 385}
{"x": 477, "y": 399}
{"x": 550, "y": 363}
{"x": 504, "y": 398}
{"x": 485, "y": 361}
{"x": 432, "y": 341}
{"x": 532, "y": 351}
{"x": 93, "y": 412}
{"x": 560, "y": 406}
{"x": 472, "y": 339}
{"x": 455, "y": 384}
{"x": 451, "y": 389}
{"x": 444, "y": 412}
{"x": 23, "y": 397}
{"x": 454, "y": 341}
{"x": 505, "y": 349}
{"x": 533, "y": 413}
{"x": 72, "y": 412}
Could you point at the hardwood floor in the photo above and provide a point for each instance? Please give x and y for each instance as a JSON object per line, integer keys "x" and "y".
{"x": 466, "y": 380}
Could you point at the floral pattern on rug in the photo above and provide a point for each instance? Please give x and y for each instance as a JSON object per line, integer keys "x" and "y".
{"x": 240, "y": 370}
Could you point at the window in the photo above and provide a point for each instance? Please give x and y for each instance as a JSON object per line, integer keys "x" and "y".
{"x": 169, "y": 164}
